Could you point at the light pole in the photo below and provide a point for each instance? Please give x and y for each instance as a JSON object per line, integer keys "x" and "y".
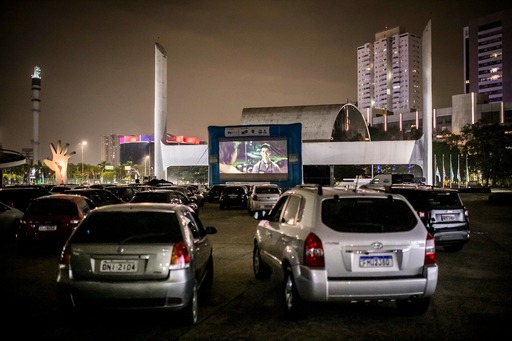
{"x": 83, "y": 143}
{"x": 145, "y": 166}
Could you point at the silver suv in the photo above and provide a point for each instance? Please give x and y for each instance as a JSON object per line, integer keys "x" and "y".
{"x": 262, "y": 197}
{"x": 335, "y": 245}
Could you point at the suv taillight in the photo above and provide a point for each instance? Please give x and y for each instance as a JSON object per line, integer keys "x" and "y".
{"x": 313, "y": 252}
{"x": 180, "y": 258}
{"x": 430, "y": 250}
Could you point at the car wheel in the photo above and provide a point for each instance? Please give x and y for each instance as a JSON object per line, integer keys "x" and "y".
{"x": 453, "y": 247}
{"x": 192, "y": 310}
{"x": 413, "y": 307}
{"x": 260, "y": 269}
{"x": 293, "y": 304}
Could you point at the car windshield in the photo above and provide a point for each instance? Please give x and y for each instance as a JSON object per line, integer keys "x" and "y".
{"x": 129, "y": 227}
{"x": 52, "y": 207}
{"x": 368, "y": 215}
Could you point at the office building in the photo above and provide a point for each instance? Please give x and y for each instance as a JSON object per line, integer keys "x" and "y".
{"x": 488, "y": 56}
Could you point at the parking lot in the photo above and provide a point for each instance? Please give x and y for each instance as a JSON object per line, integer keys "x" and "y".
{"x": 472, "y": 300}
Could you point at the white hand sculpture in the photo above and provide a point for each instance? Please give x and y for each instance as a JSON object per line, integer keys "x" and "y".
{"x": 59, "y": 163}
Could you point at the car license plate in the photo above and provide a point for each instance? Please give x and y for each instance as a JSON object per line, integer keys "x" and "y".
{"x": 447, "y": 217}
{"x": 375, "y": 261}
{"x": 47, "y": 227}
{"x": 109, "y": 265}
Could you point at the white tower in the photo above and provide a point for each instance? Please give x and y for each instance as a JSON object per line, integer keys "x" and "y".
{"x": 160, "y": 127}
{"x": 36, "y": 89}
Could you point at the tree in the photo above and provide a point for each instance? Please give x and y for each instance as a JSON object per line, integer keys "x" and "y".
{"x": 489, "y": 147}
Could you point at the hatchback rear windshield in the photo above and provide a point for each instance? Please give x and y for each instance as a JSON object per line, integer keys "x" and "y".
{"x": 52, "y": 207}
{"x": 266, "y": 190}
{"x": 368, "y": 215}
{"x": 129, "y": 227}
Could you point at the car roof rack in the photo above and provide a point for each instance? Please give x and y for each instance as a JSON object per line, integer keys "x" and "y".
{"x": 316, "y": 187}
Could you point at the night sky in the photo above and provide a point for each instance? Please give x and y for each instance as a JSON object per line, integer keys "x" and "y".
{"x": 98, "y": 61}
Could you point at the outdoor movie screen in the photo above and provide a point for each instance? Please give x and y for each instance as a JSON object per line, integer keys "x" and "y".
{"x": 253, "y": 159}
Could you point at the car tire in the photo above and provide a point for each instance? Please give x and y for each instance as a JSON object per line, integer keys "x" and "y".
{"x": 294, "y": 306}
{"x": 260, "y": 269}
{"x": 191, "y": 311}
{"x": 413, "y": 307}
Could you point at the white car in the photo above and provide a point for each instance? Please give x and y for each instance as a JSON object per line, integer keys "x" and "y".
{"x": 336, "y": 245}
{"x": 262, "y": 197}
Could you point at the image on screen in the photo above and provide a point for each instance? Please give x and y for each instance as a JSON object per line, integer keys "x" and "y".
{"x": 253, "y": 160}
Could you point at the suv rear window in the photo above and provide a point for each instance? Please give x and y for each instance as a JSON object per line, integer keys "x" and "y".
{"x": 237, "y": 190}
{"x": 124, "y": 228}
{"x": 368, "y": 215}
{"x": 427, "y": 200}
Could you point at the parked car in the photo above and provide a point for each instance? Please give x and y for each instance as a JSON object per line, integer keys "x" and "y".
{"x": 214, "y": 192}
{"x": 183, "y": 189}
{"x": 380, "y": 181}
{"x": 21, "y": 196}
{"x": 100, "y": 197}
{"x": 233, "y": 196}
{"x": 262, "y": 197}
{"x": 125, "y": 193}
{"x": 164, "y": 196}
{"x": 442, "y": 211}
{"x": 336, "y": 245}
{"x": 9, "y": 221}
{"x": 144, "y": 256}
{"x": 196, "y": 189}
{"x": 50, "y": 220}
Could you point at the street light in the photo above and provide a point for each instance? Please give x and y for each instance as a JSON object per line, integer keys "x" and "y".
{"x": 83, "y": 143}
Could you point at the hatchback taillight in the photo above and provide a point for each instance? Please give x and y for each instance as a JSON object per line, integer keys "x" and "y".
{"x": 180, "y": 258}
{"x": 430, "y": 250}
{"x": 313, "y": 252}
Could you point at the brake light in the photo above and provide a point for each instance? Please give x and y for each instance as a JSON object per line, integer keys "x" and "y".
{"x": 180, "y": 258}
{"x": 430, "y": 250}
{"x": 313, "y": 252}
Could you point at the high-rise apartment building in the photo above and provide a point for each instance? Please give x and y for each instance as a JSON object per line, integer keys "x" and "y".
{"x": 488, "y": 56}
{"x": 110, "y": 149}
{"x": 389, "y": 73}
